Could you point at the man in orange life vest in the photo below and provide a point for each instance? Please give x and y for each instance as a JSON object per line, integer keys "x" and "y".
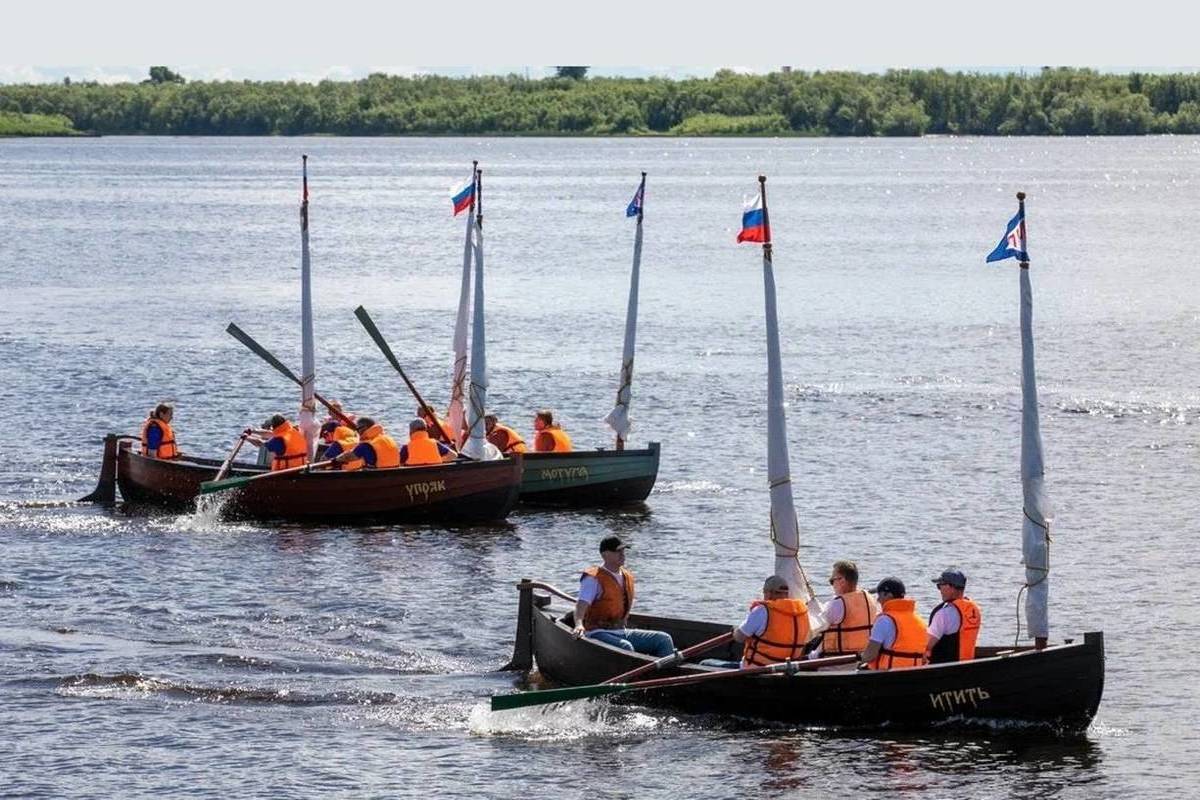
{"x": 375, "y": 449}
{"x": 283, "y": 441}
{"x": 549, "y": 437}
{"x": 897, "y": 639}
{"x": 606, "y": 595}
{"x": 158, "y": 439}
{"x": 850, "y": 615}
{"x": 506, "y": 440}
{"x": 422, "y": 450}
{"x": 338, "y": 438}
{"x": 954, "y": 623}
{"x": 775, "y": 630}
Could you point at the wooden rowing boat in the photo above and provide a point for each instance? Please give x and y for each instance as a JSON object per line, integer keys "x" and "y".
{"x": 455, "y": 492}
{"x": 1058, "y": 687}
{"x": 589, "y": 477}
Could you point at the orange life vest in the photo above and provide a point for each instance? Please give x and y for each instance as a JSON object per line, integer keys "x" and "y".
{"x": 343, "y": 435}
{"x": 559, "y": 441}
{"x": 295, "y": 447}
{"x": 785, "y": 635}
{"x": 958, "y": 646}
{"x": 852, "y": 633}
{"x": 908, "y": 650}
{"x": 166, "y": 448}
{"x": 610, "y": 609}
{"x": 421, "y": 450}
{"x": 387, "y": 454}
{"x": 506, "y": 439}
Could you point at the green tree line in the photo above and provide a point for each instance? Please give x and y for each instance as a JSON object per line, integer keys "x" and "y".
{"x": 1053, "y": 101}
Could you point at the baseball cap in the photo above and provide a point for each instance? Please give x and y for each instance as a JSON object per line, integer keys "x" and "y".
{"x": 612, "y": 543}
{"x": 775, "y": 584}
{"x": 893, "y": 586}
{"x": 953, "y": 577}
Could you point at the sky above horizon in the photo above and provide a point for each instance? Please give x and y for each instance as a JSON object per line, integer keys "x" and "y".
{"x": 307, "y": 40}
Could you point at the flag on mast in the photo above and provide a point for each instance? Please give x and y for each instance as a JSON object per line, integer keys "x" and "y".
{"x": 456, "y": 416}
{"x": 618, "y": 418}
{"x": 785, "y": 527}
{"x": 754, "y": 222}
{"x": 1012, "y": 245}
{"x": 463, "y": 197}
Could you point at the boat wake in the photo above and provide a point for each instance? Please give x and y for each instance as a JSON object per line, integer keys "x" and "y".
{"x": 562, "y": 721}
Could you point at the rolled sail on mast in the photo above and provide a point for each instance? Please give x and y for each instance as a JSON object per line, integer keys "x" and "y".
{"x": 476, "y": 445}
{"x": 618, "y": 418}
{"x": 456, "y": 415}
{"x": 308, "y": 424}
{"x": 1035, "y": 527}
{"x": 785, "y": 528}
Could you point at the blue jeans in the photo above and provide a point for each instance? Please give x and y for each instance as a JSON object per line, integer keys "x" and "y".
{"x": 651, "y": 643}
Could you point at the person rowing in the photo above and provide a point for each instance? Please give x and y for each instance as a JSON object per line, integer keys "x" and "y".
{"x": 282, "y": 440}
{"x": 375, "y": 449}
{"x": 506, "y": 440}
{"x": 850, "y": 614}
{"x": 775, "y": 630}
{"x": 421, "y": 450}
{"x": 549, "y": 437}
{"x": 338, "y": 438}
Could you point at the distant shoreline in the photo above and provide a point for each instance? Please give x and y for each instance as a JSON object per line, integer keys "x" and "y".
{"x": 899, "y": 103}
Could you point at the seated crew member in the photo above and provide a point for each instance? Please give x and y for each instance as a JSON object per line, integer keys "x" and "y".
{"x": 338, "y": 438}
{"x": 432, "y": 422}
{"x": 506, "y": 440}
{"x": 954, "y": 623}
{"x": 283, "y": 441}
{"x": 850, "y": 615}
{"x": 549, "y": 437}
{"x": 158, "y": 439}
{"x": 375, "y": 449}
{"x": 421, "y": 450}
{"x": 897, "y": 639}
{"x": 775, "y": 630}
{"x": 606, "y": 595}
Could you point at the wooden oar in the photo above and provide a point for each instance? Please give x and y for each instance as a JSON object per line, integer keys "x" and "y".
{"x": 229, "y": 461}
{"x": 265, "y": 354}
{"x": 678, "y": 657}
{"x": 505, "y": 702}
{"x": 369, "y": 324}
{"x": 208, "y": 487}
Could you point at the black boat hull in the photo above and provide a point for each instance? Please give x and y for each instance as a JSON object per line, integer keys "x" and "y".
{"x": 1059, "y": 687}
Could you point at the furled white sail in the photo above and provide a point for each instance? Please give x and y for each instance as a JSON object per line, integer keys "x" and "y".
{"x": 308, "y": 423}
{"x": 785, "y": 528}
{"x": 456, "y": 415}
{"x": 618, "y": 418}
{"x": 477, "y": 446}
{"x": 1035, "y": 528}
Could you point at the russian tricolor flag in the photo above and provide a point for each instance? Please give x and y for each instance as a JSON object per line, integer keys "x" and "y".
{"x": 754, "y": 227}
{"x": 462, "y": 197}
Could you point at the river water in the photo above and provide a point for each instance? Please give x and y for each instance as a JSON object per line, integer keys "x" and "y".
{"x": 143, "y": 656}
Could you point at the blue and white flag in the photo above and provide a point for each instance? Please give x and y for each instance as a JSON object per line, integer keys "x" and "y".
{"x": 1013, "y": 243}
{"x": 635, "y": 205}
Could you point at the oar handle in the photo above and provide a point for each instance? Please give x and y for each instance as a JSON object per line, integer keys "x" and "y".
{"x": 373, "y": 332}
{"x": 224, "y": 470}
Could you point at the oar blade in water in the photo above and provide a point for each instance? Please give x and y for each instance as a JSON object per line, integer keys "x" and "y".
{"x": 506, "y": 702}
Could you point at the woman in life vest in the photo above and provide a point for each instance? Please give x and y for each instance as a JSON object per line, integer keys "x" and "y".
{"x": 375, "y": 449}
{"x": 283, "y": 441}
{"x": 549, "y": 437}
{"x": 897, "y": 639}
{"x": 158, "y": 439}
{"x": 954, "y": 623}
{"x": 850, "y": 615}
{"x": 507, "y": 440}
{"x": 422, "y": 450}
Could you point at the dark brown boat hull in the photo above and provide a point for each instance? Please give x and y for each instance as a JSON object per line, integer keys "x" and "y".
{"x": 1059, "y": 687}
{"x": 458, "y": 492}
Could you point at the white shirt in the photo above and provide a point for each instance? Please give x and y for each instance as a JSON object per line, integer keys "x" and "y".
{"x": 946, "y": 621}
{"x": 755, "y": 622}
{"x": 834, "y": 611}
{"x": 883, "y": 631}
{"x": 590, "y": 589}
